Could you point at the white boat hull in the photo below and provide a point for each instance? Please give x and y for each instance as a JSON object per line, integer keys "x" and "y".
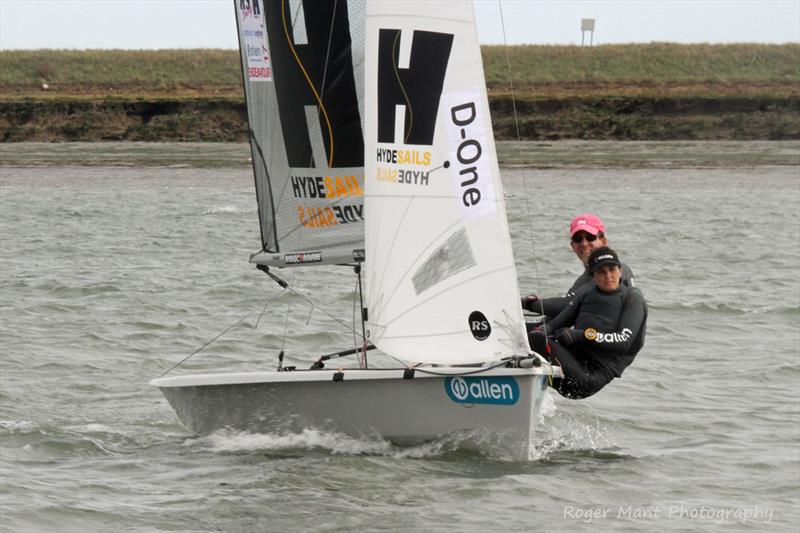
{"x": 497, "y": 408}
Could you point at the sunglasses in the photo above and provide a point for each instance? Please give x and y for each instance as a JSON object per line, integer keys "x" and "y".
{"x": 588, "y": 237}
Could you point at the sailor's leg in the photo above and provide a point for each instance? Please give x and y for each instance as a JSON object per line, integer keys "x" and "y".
{"x": 539, "y": 342}
{"x": 581, "y": 379}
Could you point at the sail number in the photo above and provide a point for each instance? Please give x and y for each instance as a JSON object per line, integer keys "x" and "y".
{"x": 468, "y": 153}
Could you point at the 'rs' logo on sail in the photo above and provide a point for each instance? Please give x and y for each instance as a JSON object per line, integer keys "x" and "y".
{"x": 479, "y": 326}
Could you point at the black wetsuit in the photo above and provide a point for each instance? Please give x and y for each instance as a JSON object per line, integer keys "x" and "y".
{"x": 608, "y": 329}
{"x": 553, "y": 306}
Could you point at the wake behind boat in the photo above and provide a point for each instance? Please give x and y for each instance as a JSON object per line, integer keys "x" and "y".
{"x": 413, "y": 196}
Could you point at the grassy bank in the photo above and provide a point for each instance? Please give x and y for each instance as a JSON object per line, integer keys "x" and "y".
{"x": 656, "y": 67}
{"x": 647, "y": 91}
{"x": 121, "y": 73}
{"x": 654, "y": 63}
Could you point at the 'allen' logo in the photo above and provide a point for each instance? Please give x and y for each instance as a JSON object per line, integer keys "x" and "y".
{"x": 500, "y": 390}
{"x": 622, "y": 336}
{"x": 597, "y": 336}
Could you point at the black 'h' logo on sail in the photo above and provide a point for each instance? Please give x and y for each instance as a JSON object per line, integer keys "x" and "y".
{"x": 418, "y": 87}
{"x": 317, "y": 73}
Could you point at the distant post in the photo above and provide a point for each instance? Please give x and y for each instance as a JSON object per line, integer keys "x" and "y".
{"x": 587, "y": 25}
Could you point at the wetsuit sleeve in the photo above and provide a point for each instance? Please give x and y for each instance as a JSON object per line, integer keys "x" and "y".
{"x": 553, "y": 306}
{"x": 580, "y": 283}
{"x": 627, "y": 276}
{"x": 631, "y": 321}
{"x": 567, "y": 316}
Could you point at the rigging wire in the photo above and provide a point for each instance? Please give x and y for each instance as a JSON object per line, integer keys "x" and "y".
{"x": 365, "y": 345}
{"x": 355, "y": 340}
{"x": 521, "y": 156}
{"x": 286, "y": 324}
{"x": 362, "y": 358}
{"x": 326, "y": 313}
{"x": 264, "y": 310}
{"x": 223, "y": 332}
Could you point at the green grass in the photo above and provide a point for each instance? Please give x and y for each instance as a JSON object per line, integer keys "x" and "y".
{"x": 636, "y": 63}
{"x": 154, "y": 68}
{"x": 205, "y": 70}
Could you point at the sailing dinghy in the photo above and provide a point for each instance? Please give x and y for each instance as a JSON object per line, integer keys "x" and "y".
{"x": 372, "y": 147}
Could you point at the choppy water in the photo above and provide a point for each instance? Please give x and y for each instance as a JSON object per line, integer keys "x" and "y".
{"x": 108, "y": 276}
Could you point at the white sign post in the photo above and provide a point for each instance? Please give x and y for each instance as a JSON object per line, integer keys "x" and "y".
{"x": 587, "y": 25}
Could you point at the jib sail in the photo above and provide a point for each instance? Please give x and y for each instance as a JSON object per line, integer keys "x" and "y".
{"x": 441, "y": 282}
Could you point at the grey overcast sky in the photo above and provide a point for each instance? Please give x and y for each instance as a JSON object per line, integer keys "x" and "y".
{"x": 137, "y": 24}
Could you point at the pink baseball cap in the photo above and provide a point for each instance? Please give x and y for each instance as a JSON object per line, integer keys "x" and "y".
{"x": 587, "y": 222}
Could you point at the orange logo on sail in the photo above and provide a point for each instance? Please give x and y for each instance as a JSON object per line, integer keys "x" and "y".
{"x": 316, "y": 217}
{"x": 339, "y": 186}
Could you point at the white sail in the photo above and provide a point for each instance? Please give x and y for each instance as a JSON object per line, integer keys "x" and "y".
{"x": 441, "y": 282}
{"x": 302, "y": 63}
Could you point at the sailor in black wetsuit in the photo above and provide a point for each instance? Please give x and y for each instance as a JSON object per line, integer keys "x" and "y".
{"x": 598, "y": 334}
{"x": 587, "y": 233}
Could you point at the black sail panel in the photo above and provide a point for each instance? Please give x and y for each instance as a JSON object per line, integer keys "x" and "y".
{"x": 302, "y": 64}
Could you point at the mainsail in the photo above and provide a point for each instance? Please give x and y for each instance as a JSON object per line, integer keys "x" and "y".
{"x": 441, "y": 282}
{"x": 303, "y": 68}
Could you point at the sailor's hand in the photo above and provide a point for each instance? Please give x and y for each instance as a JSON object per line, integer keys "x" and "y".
{"x": 529, "y": 302}
{"x": 534, "y": 326}
{"x": 567, "y": 336}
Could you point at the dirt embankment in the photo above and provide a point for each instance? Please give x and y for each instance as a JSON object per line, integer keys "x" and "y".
{"x": 651, "y": 91}
{"x": 199, "y": 119}
{"x": 649, "y": 118}
{"x": 543, "y": 113}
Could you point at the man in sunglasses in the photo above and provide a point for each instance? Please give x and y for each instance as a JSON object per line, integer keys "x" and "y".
{"x": 587, "y": 234}
{"x": 598, "y": 334}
